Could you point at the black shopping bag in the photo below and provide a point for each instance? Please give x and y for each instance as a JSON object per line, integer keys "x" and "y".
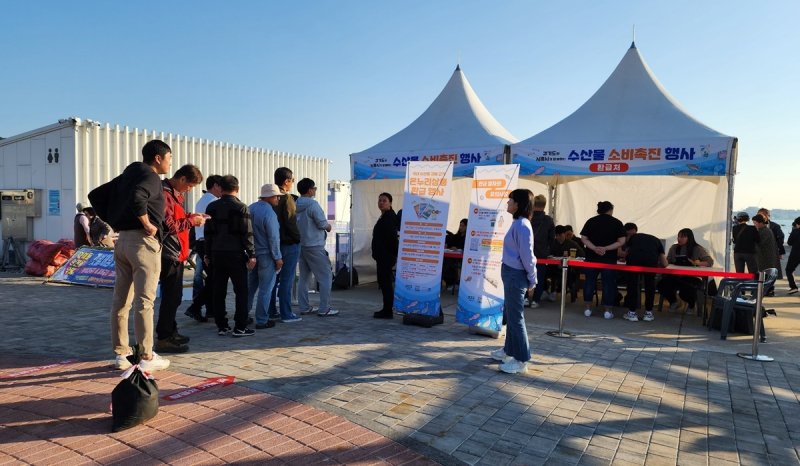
{"x": 134, "y": 400}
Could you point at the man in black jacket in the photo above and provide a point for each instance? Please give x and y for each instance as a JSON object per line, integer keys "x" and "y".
{"x": 137, "y": 203}
{"x": 286, "y": 210}
{"x": 543, "y": 235}
{"x": 777, "y": 233}
{"x": 745, "y": 240}
{"x": 230, "y": 250}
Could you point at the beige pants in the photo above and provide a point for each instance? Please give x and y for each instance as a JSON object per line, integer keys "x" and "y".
{"x": 137, "y": 263}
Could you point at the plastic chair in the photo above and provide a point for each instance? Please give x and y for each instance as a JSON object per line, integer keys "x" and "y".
{"x": 738, "y": 294}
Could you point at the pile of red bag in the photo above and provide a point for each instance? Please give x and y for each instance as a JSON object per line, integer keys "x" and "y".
{"x": 47, "y": 256}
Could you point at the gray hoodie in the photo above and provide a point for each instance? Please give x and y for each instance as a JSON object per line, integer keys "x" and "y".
{"x": 312, "y": 223}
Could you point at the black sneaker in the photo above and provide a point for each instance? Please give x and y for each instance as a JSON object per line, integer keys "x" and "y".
{"x": 269, "y": 324}
{"x": 223, "y": 332}
{"x": 180, "y": 339}
{"x": 169, "y": 345}
{"x": 195, "y": 314}
{"x": 245, "y": 332}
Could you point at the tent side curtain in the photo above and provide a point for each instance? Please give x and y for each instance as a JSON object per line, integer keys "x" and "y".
{"x": 705, "y": 157}
{"x": 392, "y": 165}
{"x": 659, "y": 206}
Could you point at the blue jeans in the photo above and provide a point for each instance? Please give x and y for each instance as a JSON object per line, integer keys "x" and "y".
{"x": 314, "y": 260}
{"x": 609, "y": 278}
{"x": 261, "y": 278}
{"x": 283, "y": 289}
{"x": 515, "y": 284}
{"x": 197, "y": 282}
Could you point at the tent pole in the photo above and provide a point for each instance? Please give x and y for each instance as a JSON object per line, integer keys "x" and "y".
{"x": 350, "y": 223}
{"x": 734, "y": 149}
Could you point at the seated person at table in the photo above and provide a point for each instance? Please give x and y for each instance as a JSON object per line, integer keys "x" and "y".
{"x": 643, "y": 250}
{"x": 685, "y": 252}
{"x": 560, "y": 247}
{"x": 456, "y": 240}
{"x": 450, "y": 266}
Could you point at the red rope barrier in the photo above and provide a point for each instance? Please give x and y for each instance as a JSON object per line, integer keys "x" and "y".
{"x": 671, "y": 270}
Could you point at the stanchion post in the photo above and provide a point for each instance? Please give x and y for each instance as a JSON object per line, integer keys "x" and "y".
{"x": 757, "y": 330}
{"x": 561, "y": 333}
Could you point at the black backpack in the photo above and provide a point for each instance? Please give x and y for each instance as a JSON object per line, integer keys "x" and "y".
{"x": 101, "y": 199}
{"x": 341, "y": 281}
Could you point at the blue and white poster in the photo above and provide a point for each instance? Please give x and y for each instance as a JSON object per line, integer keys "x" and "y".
{"x": 679, "y": 158}
{"x": 88, "y": 266}
{"x": 426, "y": 205}
{"x": 392, "y": 165}
{"x": 480, "y": 292}
{"x": 53, "y": 202}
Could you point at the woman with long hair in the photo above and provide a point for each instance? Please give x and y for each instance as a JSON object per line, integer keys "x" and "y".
{"x": 685, "y": 252}
{"x": 518, "y": 273}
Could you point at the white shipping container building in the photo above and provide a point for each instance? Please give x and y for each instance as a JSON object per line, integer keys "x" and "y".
{"x": 62, "y": 162}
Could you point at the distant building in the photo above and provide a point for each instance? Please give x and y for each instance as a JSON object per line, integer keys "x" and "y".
{"x": 56, "y": 166}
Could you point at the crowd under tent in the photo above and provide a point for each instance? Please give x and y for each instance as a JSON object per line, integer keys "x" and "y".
{"x": 456, "y": 127}
{"x": 633, "y": 144}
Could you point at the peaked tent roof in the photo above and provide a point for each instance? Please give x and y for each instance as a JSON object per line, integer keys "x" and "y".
{"x": 457, "y": 118}
{"x": 631, "y": 105}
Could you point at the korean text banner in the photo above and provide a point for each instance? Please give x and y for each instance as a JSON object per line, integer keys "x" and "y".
{"x": 88, "y": 266}
{"x": 392, "y": 165}
{"x": 426, "y": 205}
{"x": 687, "y": 158}
{"x": 480, "y": 293}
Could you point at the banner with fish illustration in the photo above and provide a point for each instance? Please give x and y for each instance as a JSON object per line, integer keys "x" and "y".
{"x": 392, "y": 165}
{"x": 480, "y": 292}
{"x": 679, "y": 158}
{"x": 426, "y": 204}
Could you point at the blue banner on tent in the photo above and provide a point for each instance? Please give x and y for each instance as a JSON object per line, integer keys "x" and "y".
{"x": 88, "y": 266}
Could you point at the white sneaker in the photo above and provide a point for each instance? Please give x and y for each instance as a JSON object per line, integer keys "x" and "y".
{"x": 608, "y": 315}
{"x": 533, "y": 305}
{"x": 329, "y": 313}
{"x": 648, "y": 316}
{"x": 526, "y": 302}
{"x": 514, "y": 367}
{"x": 630, "y": 315}
{"x": 500, "y": 355}
{"x": 121, "y": 362}
{"x": 157, "y": 363}
{"x": 587, "y": 312}
{"x": 309, "y": 310}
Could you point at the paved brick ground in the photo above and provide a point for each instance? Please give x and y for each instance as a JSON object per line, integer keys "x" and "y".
{"x": 60, "y": 415}
{"x": 630, "y": 394}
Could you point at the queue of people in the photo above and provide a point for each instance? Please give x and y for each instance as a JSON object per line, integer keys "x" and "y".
{"x": 257, "y": 248}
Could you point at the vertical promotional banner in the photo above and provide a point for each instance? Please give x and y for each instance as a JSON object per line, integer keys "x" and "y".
{"x": 480, "y": 293}
{"x": 426, "y": 204}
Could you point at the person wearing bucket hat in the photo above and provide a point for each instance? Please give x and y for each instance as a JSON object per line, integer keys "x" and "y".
{"x": 269, "y": 261}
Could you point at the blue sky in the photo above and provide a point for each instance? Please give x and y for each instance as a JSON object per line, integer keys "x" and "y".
{"x": 328, "y": 78}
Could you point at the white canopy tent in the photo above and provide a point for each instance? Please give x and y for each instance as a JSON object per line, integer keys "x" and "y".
{"x": 455, "y": 127}
{"x": 633, "y": 144}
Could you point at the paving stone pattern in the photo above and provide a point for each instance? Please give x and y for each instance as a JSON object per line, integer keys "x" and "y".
{"x": 592, "y": 399}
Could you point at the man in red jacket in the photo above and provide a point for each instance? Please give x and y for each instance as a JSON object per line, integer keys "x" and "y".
{"x": 175, "y": 250}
